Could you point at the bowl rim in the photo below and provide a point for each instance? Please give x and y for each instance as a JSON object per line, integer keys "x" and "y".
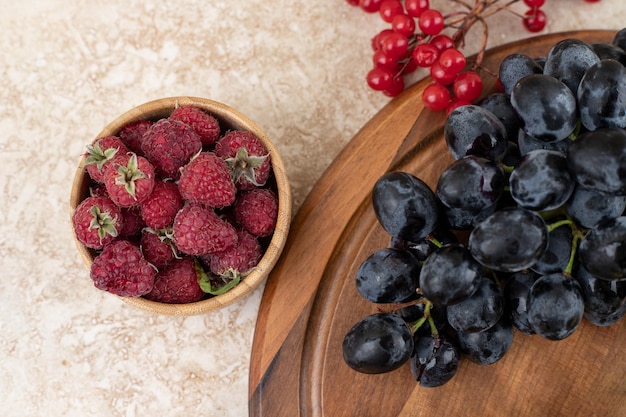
{"x": 233, "y": 119}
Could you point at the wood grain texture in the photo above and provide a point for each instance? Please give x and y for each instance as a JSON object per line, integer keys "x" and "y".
{"x": 310, "y": 300}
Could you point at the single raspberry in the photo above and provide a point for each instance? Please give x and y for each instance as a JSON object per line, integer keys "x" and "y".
{"x": 247, "y": 158}
{"x": 205, "y": 125}
{"x": 133, "y": 222}
{"x": 101, "y": 151}
{"x": 169, "y": 145}
{"x": 121, "y": 269}
{"x": 97, "y": 221}
{"x": 206, "y": 179}
{"x": 177, "y": 284}
{"x": 129, "y": 179}
{"x": 238, "y": 260}
{"x": 256, "y": 211}
{"x": 161, "y": 206}
{"x": 157, "y": 248}
{"x": 198, "y": 230}
{"x": 132, "y": 134}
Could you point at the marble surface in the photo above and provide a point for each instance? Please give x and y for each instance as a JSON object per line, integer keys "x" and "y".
{"x": 68, "y": 67}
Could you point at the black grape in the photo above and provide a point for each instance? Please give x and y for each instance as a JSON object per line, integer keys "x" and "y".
{"x": 377, "y": 344}
{"x": 619, "y": 39}
{"x": 473, "y": 130}
{"x": 405, "y": 206}
{"x": 500, "y": 105}
{"x": 435, "y": 362}
{"x": 509, "y": 240}
{"x": 514, "y": 67}
{"x": 603, "y": 250}
{"x": 516, "y": 293}
{"x": 602, "y": 297}
{"x": 589, "y": 207}
{"x": 388, "y": 276}
{"x": 602, "y": 96}
{"x": 555, "y": 306}
{"x": 546, "y": 107}
{"x": 489, "y": 346}
{"x": 606, "y": 50}
{"x": 479, "y": 311}
{"x": 527, "y": 143}
{"x": 611, "y": 319}
{"x": 568, "y": 60}
{"x": 557, "y": 254}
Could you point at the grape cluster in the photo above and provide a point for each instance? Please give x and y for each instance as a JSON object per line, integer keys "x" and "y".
{"x": 416, "y": 39}
{"x": 525, "y": 229}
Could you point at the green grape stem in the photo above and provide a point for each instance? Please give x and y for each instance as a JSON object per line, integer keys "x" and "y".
{"x": 577, "y": 235}
{"x": 426, "y": 318}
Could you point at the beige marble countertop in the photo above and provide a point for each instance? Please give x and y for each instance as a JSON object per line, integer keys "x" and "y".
{"x": 68, "y": 67}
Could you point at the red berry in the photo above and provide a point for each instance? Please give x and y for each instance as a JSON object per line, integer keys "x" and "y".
{"x": 160, "y": 208}
{"x": 534, "y": 20}
{"x": 468, "y": 86}
{"x": 436, "y": 97}
{"x": 377, "y": 40}
{"x": 442, "y": 42}
{"x": 416, "y": 7}
{"x": 403, "y": 24}
{"x": 256, "y": 211}
{"x": 395, "y": 45}
{"x": 246, "y": 156}
{"x": 157, "y": 248}
{"x": 100, "y": 152}
{"x": 534, "y": 3}
{"x": 370, "y": 6}
{"x": 197, "y": 230}
{"x": 206, "y": 126}
{"x": 121, "y": 269}
{"x": 383, "y": 61}
{"x": 96, "y": 222}
{"x": 425, "y": 54}
{"x": 389, "y": 9}
{"x": 379, "y": 78}
{"x": 409, "y": 66}
{"x": 431, "y": 22}
{"x": 239, "y": 260}
{"x": 397, "y": 86}
{"x": 129, "y": 179}
{"x": 440, "y": 75}
{"x": 353, "y": 2}
{"x": 169, "y": 145}
{"x": 452, "y": 60}
{"x": 133, "y": 222}
{"x": 207, "y": 180}
{"x": 177, "y": 283}
{"x": 131, "y": 135}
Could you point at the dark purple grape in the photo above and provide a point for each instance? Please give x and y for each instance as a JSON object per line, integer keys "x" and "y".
{"x": 435, "y": 361}
{"x": 489, "y": 346}
{"x": 474, "y": 130}
{"x": 589, "y": 207}
{"x": 603, "y": 250}
{"x": 602, "y": 297}
{"x": 602, "y": 96}
{"x": 527, "y": 143}
{"x": 597, "y": 159}
{"x": 424, "y": 247}
{"x": 619, "y": 39}
{"x": 514, "y": 67}
{"x": 449, "y": 275}
{"x": 568, "y": 60}
{"x": 510, "y": 240}
{"x": 465, "y": 219}
{"x": 555, "y": 306}
{"x": 611, "y": 319}
{"x": 541, "y": 181}
{"x": 480, "y": 310}
{"x": 388, "y": 276}
{"x": 377, "y": 344}
{"x": 558, "y": 253}
{"x": 500, "y": 105}
{"x": 546, "y": 106}
{"x": 405, "y": 206}
{"x": 606, "y": 50}
{"x": 516, "y": 293}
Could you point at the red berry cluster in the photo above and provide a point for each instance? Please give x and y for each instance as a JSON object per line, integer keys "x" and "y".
{"x": 178, "y": 209}
{"x": 416, "y": 40}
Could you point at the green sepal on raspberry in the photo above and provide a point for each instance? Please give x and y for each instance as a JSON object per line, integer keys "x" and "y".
{"x": 98, "y": 156}
{"x": 128, "y": 174}
{"x": 212, "y": 284}
{"x": 103, "y": 223}
{"x": 243, "y": 165}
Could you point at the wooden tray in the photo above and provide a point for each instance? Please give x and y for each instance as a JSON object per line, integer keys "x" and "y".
{"x": 310, "y": 299}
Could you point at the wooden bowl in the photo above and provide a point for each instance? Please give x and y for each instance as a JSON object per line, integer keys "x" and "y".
{"x": 229, "y": 119}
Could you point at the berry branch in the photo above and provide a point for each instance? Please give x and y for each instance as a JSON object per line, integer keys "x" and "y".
{"x": 416, "y": 39}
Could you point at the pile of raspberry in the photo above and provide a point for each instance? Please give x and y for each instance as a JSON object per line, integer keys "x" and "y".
{"x": 178, "y": 210}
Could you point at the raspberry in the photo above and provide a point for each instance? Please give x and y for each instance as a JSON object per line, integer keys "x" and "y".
{"x": 129, "y": 179}
{"x": 160, "y": 208}
{"x": 198, "y": 230}
{"x": 157, "y": 248}
{"x": 238, "y": 260}
{"x": 121, "y": 269}
{"x": 206, "y": 179}
{"x": 247, "y": 158}
{"x": 206, "y": 126}
{"x": 132, "y": 134}
{"x": 133, "y": 222}
{"x": 101, "y": 151}
{"x": 177, "y": 284}
{"x": 169, "y": 145}
{"x": 97, "y": 221}
{"x": 256, "y": 211}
